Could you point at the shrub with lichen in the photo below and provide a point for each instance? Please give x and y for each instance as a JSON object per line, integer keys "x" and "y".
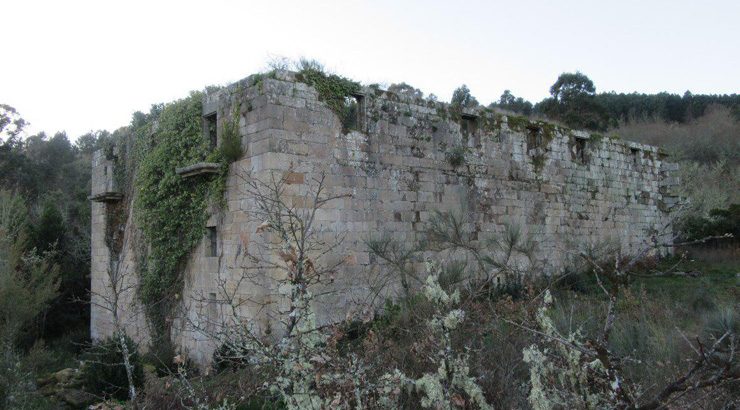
{"x": 561, "y": 376}
{"x": 451, "y": 385}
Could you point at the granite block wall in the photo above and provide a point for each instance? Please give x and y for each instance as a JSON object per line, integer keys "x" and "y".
{"x": 403, "y": 160}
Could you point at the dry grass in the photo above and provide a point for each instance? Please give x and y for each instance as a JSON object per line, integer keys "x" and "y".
{"x": 711, "y": 138}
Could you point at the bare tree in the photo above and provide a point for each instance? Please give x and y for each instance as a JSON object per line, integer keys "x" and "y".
{"x": 591, "y": 373}
{"x": 296, "y": 256}
{"x": 487, "y": 263}
{"x": 117, "y": 299}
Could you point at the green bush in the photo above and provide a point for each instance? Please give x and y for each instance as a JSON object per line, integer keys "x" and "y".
{"x": 720, "y": 321}
{"x": 456, "y": 156}
{"x": 579, "y": 281}
{"x": 104, "y": 372}
{"x": 231, "y": 145}
{"x": 719, "y": 222}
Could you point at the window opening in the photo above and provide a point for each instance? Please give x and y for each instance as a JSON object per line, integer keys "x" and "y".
{"x": 468, "y": 124}
{"x": 534, "y": 137}
{"x": 581, "y": 150}
{"x": 212, "y": 129}
{"x": 635, "y": 156}
{"x": 353, "y": 115}
{"x": 212, "y": 249}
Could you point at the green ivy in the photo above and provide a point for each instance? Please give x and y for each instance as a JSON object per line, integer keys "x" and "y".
{"x": 456, "y": 156}
{"x": 170, "y": 210}
{"x": 334, "y": 90}
{"x": 517, "y": 122}
{"x": 231, "y": 144}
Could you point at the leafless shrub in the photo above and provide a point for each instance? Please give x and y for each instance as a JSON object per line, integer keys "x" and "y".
{"x": 574, "y": 370}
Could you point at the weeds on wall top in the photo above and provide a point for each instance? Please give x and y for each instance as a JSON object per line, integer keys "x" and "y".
{"x": 333, "y": 90}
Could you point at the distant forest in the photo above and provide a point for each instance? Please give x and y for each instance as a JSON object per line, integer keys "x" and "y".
{"x": 574, "y": 102}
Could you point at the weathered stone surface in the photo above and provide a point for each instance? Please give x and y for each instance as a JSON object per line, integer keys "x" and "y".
{"x": 563, "y": 187}
{"x": 200, "y": 168}
{"x": 104, "y": 187}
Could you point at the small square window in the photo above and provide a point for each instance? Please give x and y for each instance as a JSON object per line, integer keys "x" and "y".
{"x": 212, "y": 244}
{"x": 211, "y": 128}
{"x": 636, "y": 157}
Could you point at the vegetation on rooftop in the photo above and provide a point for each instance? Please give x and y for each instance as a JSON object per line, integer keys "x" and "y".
{"x": 336, "y": 91}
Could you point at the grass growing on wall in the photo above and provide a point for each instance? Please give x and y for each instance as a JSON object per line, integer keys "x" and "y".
{"x": 171, "y": 210}
{"x": 334, "y": 90}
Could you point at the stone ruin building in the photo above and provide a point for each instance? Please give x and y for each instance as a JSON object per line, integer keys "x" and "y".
{"x": 402, "y": 159}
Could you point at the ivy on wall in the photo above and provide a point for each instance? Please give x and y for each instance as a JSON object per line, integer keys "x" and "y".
{"x": 170, "y": 210}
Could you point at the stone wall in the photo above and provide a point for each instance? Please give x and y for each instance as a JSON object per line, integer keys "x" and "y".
{"x": 405, "y": 159}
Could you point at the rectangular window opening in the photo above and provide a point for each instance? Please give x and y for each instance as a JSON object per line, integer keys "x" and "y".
{"x": 360, "y": 112}
{"x": 468, "y": 124}
{"x": 212, "y": 245}
{"x": 534, "y": 137}
{"x": 635, "y": 156}
{"x": 211, "y": 128}
{"x": 353, "y": 115}
{"x": 581, "y": 150}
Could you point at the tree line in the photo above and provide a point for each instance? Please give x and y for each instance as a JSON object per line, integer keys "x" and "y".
{"x": 574, "y": 101}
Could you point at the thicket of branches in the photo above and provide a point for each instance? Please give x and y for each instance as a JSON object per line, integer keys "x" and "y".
{"x": 478, "y": 328}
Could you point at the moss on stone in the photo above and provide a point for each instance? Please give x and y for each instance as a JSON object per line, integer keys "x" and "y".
{"x": 538, "y": 162}
{"x": 333, "y": 90}
{"x": 517, "y": 122}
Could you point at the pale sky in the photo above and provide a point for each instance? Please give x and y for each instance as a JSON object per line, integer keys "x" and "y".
{"x": 86, "y": 65}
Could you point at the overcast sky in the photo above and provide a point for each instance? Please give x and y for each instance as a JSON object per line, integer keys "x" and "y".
{"x": 86, "y": 65}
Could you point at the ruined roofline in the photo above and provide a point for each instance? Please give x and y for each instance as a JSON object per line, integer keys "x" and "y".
{"x": 401, "y": 163}
{"x": 211, "y": 99}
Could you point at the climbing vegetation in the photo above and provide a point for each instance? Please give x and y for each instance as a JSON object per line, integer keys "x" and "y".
{"x": 171, "y": 210}
{"x": 231, "y": 145}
